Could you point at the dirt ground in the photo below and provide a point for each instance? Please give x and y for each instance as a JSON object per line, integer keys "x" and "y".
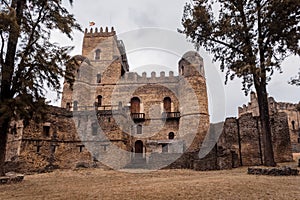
{"x": 162, "y": 184}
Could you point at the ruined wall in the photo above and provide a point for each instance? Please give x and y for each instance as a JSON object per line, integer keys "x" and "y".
{"x": 243, "y": 136}
{"x": 293, "y": 116}
{"x": 14, "y": 140}
{"x": 51, "y": 142}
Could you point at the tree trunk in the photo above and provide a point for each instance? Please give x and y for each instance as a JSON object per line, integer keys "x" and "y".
{"x": 3, "y": 140}
{"x": 262, "y": 98}
{"x": 7, "y": 70}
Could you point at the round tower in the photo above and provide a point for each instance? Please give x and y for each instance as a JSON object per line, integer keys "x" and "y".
{"x": 193, "y": 92}
{"x": 191, "y": 64}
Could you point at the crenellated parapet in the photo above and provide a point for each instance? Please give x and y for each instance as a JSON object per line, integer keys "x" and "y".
{"x": 102, "y": 32}
{"x": 133, "y": 77}
{"x": 286, "y": 106}
{"x": 274, "y": 107}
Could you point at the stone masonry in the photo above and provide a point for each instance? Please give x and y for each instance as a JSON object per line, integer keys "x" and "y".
{"x": 111, "y": 117}
{"x": 293, "y": 116}
{"x": 115, "y": 117}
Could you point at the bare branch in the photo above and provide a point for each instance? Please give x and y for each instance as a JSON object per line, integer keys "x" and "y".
{"x": 226, "y": 44}
{"x": 4, "y": 1}
{"x": 2, "y": 48}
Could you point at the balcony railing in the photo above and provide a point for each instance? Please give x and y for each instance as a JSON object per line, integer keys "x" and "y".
{"x": 138, "y": 116}
{"x": 107, "y": 107}
{"x": 171, "y": 115}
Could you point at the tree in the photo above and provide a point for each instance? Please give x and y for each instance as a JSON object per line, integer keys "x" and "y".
{"x": 295, "y": 80}
{"x": 250, "y": 38}
{"x": 28, "y": 60}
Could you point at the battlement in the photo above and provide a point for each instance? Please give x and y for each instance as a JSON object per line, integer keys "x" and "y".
{"x": 99, "y": 33}
{"x": 274, "y": 106}
{"x": 133, "y": 77}
{"x": 286, "y": 106}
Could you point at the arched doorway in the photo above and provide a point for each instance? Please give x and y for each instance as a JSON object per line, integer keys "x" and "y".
{"x": 167, "y": 104}
{"x": 135, "y": 105}
{"x": 138, "y": 148}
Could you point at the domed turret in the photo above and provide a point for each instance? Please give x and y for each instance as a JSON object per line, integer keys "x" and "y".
{"x": 191, "y": 64}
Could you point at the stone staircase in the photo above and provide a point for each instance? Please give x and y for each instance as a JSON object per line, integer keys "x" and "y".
{"x": 137, "y": 163}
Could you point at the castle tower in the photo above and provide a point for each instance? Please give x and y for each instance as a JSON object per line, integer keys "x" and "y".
{"x": 193, "y": 93}
{"x": 191, "y": 64}
{"x": 103, "y": 61}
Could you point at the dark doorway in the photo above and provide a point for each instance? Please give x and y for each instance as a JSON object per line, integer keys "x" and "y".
{"x": 135, "y": 105}
{"x": 167, "y": 104}
{"x": 138, "y": 148}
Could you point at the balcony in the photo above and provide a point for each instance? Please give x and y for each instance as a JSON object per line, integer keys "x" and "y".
{"x": 105, "y": 109}
{"x": 171, "y": 115}
{"x": 138, "y": 116}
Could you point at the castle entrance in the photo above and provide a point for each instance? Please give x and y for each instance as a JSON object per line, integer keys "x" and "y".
{"x": 138, "y": 148}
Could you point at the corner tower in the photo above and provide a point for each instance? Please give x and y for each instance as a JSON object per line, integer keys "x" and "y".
{"x": 193, "y": 93}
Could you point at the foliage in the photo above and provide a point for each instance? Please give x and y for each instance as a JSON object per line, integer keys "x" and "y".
{"x": 28, "y": 60}
{"x": 295, "y": 80}
{"x": 250, "y": 38}
{"x": 247, "y": 37}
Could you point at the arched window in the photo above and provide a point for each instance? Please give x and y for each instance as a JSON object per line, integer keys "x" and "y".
{"x": 97, "y": 54}
{"x": 135, "y": 105}
{"x": 98, "y": 78}
{"x": 167, "y": 104}
{"x": 75, "y": 105}
{"x": 171, "y": 136}
{"x": 139, "y": 129}
{"x": 99, "y": 100}
{"x": 182, "y": 70}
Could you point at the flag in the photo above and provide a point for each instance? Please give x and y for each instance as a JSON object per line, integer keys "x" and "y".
{"x": 92, "y": 23}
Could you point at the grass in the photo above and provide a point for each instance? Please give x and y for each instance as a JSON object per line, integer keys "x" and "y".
{"x": 163, "y": 184}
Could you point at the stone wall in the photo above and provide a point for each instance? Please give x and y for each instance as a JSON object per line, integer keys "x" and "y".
{"x": 243, "y": 136}
{"x": 293, "y": 116}
{"x": 98, "y": 114}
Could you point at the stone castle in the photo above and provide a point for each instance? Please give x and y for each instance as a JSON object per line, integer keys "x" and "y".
{"x": 111, "y": 117}
{"x": 118, "y": 117}
{"x": 138, "y": 114}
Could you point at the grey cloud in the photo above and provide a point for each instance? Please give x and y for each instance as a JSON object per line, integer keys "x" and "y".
{"x": 141, "y": 18}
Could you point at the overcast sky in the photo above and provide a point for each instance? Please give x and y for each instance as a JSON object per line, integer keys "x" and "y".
{"x": 149, "y": 31}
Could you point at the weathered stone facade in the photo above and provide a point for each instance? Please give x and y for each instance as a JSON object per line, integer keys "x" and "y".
{"x": 293, "y": 116}
{"x": 51, "y": 143}
{"x": 114, "y": 118}
{"x": 118, "y": 117}
{"x": 243, "y": 136}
